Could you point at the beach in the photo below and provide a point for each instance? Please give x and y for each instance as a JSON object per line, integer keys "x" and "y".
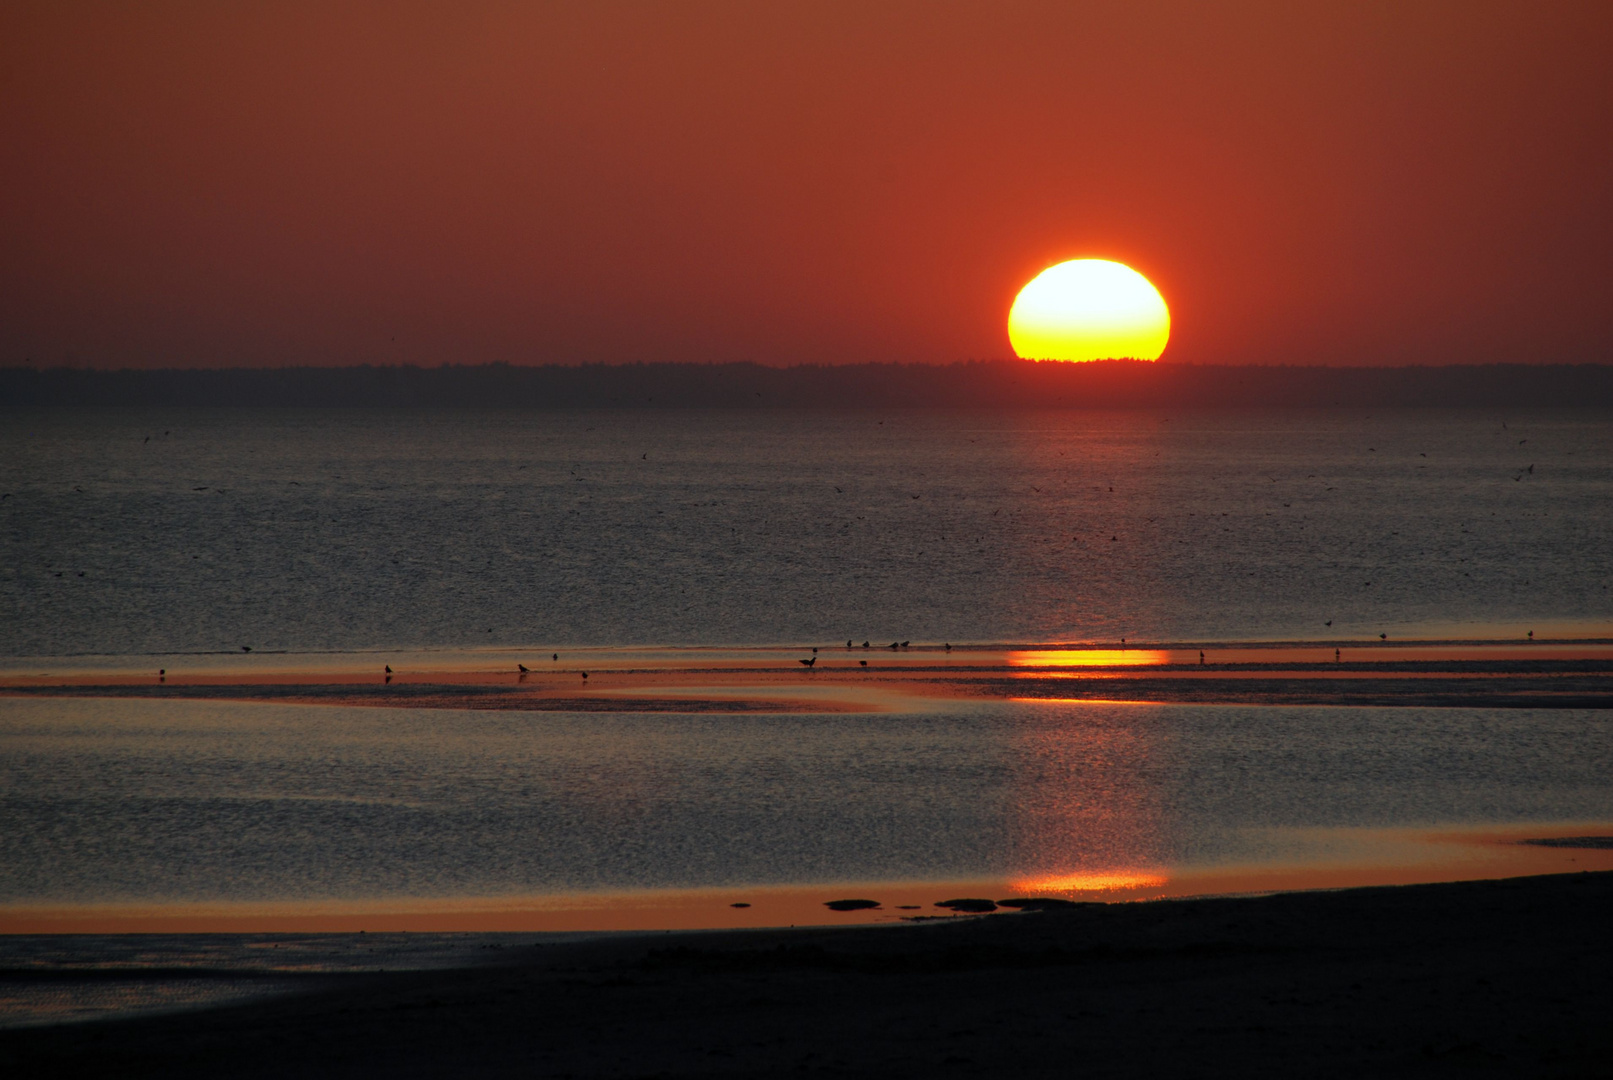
{"x": 1501, "y": 978}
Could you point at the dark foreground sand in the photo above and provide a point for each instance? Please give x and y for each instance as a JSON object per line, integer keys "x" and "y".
{"x": 1506, "y": 978}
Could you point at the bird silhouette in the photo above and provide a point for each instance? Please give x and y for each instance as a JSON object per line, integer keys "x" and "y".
{"x": 522, "y": 667}
{"x": 1328, "y": 623}
{"x": 865, "y": 644}
{"x": 896, "y": 644}
{"x": 1201, "y": 656}
{"x": 814, "y": 650}
{"x": 246, "y": 648}
{"x": 848, "y": 643}
{"x": 556, "y": 656}
{"x": 389, "y": 669}
{"x": 864, "y": 663}
{"x": 904, "y": 644}
{"x": 947, "y": 646}
{"x": 1383, "y": 637}
{"x": 585, "y": 674}
{"x": 809, "y": 663}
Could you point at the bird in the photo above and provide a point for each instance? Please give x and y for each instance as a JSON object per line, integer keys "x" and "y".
{"x": 246, "y": 648}
{"x": 522, "y": 667}
{"x": 904, "y": 644}
{"x": 1201, "y": 656}
{"x": 814, "y": 650}
{"x": 162, "y": 672}
{"x": 389, "y": 669}
{"x": 896, "y": 644}
{"x": 1531, "y": 635}
{"x": 865, "y": 644}
{"x": 947, "y": 646}
{"x": 1383, "y": 637}
{"x": 809, "y": 663}
{"x": 1328, "y": 623}
{"x": 864, "y": 663}
{"x": 644, "y": 457}
{"x": 848, "y": 643}
{"x": 557, "y": 656}
{"x": 585, "y": 674}
{"x": 1335, "y": 655}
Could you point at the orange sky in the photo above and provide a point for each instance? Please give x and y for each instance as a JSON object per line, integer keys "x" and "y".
{"x": 274, "y": 183}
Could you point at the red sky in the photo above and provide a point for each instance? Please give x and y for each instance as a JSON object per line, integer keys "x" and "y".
{"x": 1335, "y": 182}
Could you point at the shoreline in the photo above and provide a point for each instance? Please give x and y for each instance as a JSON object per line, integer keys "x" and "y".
{"x": 862, "y": 679}
{"x": 1391, "y": 857}
{"x": 1501, "y": 977}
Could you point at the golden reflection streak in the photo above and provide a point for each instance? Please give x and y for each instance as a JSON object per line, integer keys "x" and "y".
{"x": 1113, "y": 881}
{"x": 1088, "y": 658}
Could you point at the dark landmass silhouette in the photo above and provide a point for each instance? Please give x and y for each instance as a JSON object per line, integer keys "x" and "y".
{"x": 970, "y": 384}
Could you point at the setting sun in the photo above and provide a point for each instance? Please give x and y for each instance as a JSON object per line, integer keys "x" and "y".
{"x": 1089, "y": 309}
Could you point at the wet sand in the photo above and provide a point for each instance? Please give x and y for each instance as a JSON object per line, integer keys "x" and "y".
{"x": 1576, "y": 674}
{"x": 1496, "y": 978}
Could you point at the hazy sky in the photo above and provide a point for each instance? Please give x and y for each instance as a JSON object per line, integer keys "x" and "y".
{"x": 1334, "y": 181}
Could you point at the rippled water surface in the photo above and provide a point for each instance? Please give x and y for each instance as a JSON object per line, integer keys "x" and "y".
{"x": 147, "y": 532}
{"x": 109, "y": 800}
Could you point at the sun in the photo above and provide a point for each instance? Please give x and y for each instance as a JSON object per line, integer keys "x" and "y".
{"x": 1089, "y": 309}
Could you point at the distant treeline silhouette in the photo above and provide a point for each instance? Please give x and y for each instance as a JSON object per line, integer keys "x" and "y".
{"x": 970, "y": 384}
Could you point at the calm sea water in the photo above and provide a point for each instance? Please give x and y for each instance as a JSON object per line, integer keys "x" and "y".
{"x": 106, "y": 800}
{"x": 131, "y": 532}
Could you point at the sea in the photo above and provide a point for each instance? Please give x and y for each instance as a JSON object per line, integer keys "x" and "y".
{"x": 136, "y": 539}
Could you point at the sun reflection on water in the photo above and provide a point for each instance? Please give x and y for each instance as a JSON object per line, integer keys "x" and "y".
{"x": 1113, "y": 881}
{"x": 1088, "y": 658}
